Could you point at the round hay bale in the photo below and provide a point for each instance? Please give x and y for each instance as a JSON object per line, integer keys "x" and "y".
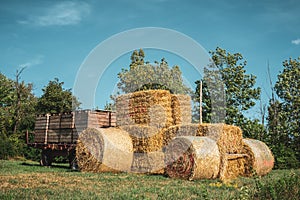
{"x": 149, "y": 107}
{"x": 192, "y": 158}
{"x": 104, "y": 150}
{"x": 260, "y": 159}
{"x": 181, "y": 109}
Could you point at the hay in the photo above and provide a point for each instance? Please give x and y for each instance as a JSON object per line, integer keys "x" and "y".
{"x": 145, "y": 138}
{"x": 232, "y": 166}
{"x": 260, "y": 159}
{"x": 192, "y": 158}
{"x": 228, "y": 137}
{"x": 181, "y": 109}
{"x": 104, "y": 150}
{"x": 150, "y": 163}
{"x": 180, "y": 130}
{"x": 229, "y": 140}
{"x": 150, "y": 107}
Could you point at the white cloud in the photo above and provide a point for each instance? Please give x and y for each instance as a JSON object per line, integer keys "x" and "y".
{"x": 60, "y": 14}
{"x": 296, "y": 42}
{"x": 35, "y": 61}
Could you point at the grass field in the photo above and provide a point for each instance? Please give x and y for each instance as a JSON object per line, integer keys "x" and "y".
{"x": 27, "y": 180}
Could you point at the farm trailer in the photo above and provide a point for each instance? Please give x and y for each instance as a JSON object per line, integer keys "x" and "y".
{"x": 57, "y": 134}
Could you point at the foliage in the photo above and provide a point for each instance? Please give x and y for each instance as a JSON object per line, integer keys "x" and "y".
{"x": 18, "y": 110}
{"x": 284, "y": 116}
{"x": 16, "y": 114}
{"x": 6, "y": 147}
{"x": 287, "y": 187}
{"x": 145, "y": 76}
{"x": 56, "y": 99}
{"x": 226, "y": 81}
{"x": 109, "y": 106}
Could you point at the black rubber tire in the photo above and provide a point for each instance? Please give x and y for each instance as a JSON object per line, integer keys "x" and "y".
{"x": 73, "y": 160}
{"x": 46, "y": 158}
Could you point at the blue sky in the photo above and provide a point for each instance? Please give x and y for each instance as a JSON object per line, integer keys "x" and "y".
{"x": 53, "y": 38}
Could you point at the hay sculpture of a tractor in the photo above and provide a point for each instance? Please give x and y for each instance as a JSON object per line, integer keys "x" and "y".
{"x": 154, "y": 135}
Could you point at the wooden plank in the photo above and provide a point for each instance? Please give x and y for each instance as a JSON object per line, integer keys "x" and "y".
{"x": 53, "y": 136}
{"x": 42, "y": 122}
{"x": 39, "y": 136}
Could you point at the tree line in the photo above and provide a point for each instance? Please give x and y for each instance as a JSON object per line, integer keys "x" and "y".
{"x": 18, "y": 110}
{"x": 225, "y": 83}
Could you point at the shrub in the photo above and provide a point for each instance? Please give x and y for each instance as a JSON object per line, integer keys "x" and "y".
{"x": 286, "y": 187}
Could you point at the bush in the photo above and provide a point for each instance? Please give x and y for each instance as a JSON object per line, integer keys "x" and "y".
{"x": 7, "y": 149}
{"x": 285, "y": 188}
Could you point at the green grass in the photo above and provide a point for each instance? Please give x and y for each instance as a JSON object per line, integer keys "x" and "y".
{"x": 27, "y": 180}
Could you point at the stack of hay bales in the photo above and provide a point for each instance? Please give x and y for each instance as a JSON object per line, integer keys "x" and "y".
{"x": 104, "y": 150}
{"x": 190, "y": 157}
{"x": 145, "y": 115}
{"x": 155, "y": 136}
{"x": 260, "y": 160}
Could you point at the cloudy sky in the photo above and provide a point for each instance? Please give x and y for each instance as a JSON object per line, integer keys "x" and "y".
{"x": 53, "y": 38}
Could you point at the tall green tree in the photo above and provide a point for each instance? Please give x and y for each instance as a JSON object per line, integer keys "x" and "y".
{"x": 144, "y": 76}
{"x": 227, "y": 75}
{"x": 56, "y": 99}
{"x": 17, "y": 114}
{"x": 284, "y": 116}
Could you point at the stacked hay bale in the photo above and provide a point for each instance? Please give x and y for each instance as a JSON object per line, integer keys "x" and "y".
{"x": 181, "y": 109}
{"x": 260, "y": 160}
{"x": 148, "y": 156}
{"x": 190, "y": 157}
{"x": 145, "y": 138}
{"x": 229, "y": 140}
{"x": 104, "y": 150}
{"x": 151, "y": 108}
{"x": 144, "y": 115}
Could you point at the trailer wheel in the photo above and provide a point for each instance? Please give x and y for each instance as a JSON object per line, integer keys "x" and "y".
{"x": 46, "y": 158}
{"x": 73, "y": 160}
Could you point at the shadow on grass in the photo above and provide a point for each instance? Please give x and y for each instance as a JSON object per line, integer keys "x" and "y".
{"x": 54, "y": 165}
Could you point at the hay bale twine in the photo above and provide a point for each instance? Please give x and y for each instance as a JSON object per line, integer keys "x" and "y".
{"x": 149, "y": 107}
{"x": 104, "y": 150}
{"x": 181, "y": 109}
{"x": 260, "y": 159}
{"x": 190, "y": 157}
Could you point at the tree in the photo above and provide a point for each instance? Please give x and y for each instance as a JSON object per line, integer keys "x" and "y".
{"x": 6, "y": 103}
{"x": 284, "y": 116}
{"x": 56, "y": 99}
{"x": 145, "y": 76}
{"x": 239, "y": 90}
{"x": 17, "y": 114}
